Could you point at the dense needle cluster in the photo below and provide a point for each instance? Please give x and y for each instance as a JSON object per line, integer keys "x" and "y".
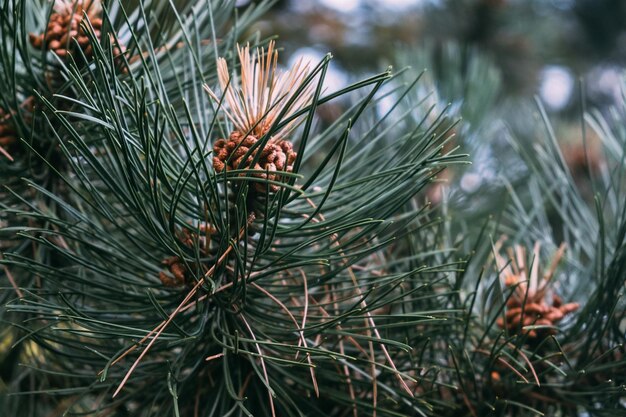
{"x": 139, "y": 281}
{"x": 253, "y": 102}
{"x": 532, "y": 302}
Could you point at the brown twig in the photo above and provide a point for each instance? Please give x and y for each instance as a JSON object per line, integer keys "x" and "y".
{"x": 301, "y": 332}
{"x": 12, "y": 279}
{"x": 178, "y": 309}
{"x": 267, "y": 380}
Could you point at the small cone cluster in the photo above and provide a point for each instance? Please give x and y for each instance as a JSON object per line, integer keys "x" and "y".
{"x": 532, "y": 302}
{"x": 7, "y": 133}
{"x": 253, "y": 102}
{"x": 275, "y": 158}
{"x": 65, "y": 25}
{"x": 177, "y": 274}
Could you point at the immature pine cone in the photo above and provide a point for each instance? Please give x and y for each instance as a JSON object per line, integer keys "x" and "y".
{"x": 7, "y": 130}
{"x": 530, "y": 303}
{"x": 65, "y": 25}
{"x": 253, "y": 102}
{"x": 275, "y": 157}
{"x": 178, "y": 272}
{"x": 8, "y": 133}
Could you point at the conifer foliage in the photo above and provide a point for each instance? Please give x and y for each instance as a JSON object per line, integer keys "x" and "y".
{"x": 180, "y": 236}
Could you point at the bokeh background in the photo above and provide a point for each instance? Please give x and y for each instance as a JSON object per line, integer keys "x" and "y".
{"x": 543, "y": 47}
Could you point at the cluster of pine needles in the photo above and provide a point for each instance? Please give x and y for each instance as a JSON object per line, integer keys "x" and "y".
{"x": 183, "y": 233}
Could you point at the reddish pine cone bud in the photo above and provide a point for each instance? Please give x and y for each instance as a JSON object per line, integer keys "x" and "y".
{"x": 534, "y": 313}
{"x": 179, "y": 274}
{"x": 7, "y": 130}
{"x": 65, "y": 25}
{"x": 177, "y": 270}
{"x": 275, "y": 157}
{"x": 530, "y": 302}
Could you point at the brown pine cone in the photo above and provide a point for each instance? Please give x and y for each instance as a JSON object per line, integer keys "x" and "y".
{"x": 531, "y": 303}
{"x": 275, "y": 157}
{"x": 7, "y": 130}
{"x": 178, "y": 272}
{"x": 65, "y": 25}
{"x": 537, "y": 313}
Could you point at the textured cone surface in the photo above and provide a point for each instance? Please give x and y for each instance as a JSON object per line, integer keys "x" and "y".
{"x": 7, "y": 130}
{"x": 534, "y": 311}
{"x": 65, "y": 25}
{"x": 178, "y": 273}
{"x": 8, "y": 133}
{"x": 275, "y": 157}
